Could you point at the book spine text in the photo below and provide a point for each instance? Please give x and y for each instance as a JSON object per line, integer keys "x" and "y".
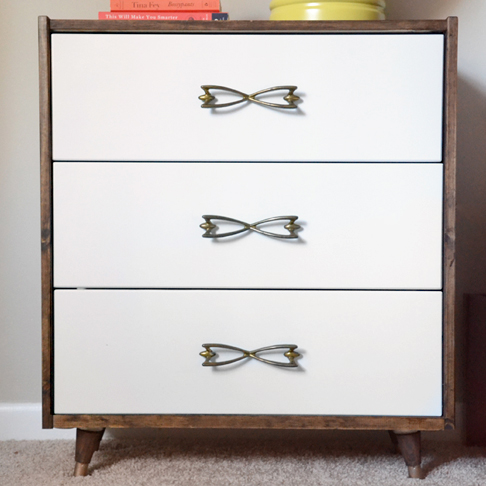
{"x": 163, "y": 16}
{"x": 165, "y": 5}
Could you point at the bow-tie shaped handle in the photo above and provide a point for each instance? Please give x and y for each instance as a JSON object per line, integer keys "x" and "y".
{"x": 207, "y": 98}
{"x": 291, "y": 355}
{"x": 291, "y": 227}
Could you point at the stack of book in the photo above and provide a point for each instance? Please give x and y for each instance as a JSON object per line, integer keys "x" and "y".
{"x": 164, "y": 10}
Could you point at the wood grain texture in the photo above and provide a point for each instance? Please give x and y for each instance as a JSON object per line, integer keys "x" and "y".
{"x": 46, "y": 217}
{"x": 450, "y": 128}
{"x": 389, "y": 26}
{"x": 249, "y": 422}
{"x": 87, "y": 443}
{"x": 410, "y": 447}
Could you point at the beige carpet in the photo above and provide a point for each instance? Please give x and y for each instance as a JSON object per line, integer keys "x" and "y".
{"x": 223, "y": 459}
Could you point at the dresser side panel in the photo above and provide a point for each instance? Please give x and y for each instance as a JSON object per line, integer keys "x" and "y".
{"x": 45, "y": 124}
{"x": 450, "y": 158}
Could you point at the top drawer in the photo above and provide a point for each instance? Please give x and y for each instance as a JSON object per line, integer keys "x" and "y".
{"x": 364, "y": 97}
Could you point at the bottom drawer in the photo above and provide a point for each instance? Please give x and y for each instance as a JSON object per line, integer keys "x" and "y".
{"x": 137, "y": 352}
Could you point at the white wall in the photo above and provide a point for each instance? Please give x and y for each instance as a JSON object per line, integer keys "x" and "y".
{"x": 20, "y": 345}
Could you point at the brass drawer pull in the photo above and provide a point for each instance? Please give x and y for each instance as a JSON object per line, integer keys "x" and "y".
{"x": 291, "y": 355}
{"x": 291, "y": 227}
{"x": 290, "y": 98}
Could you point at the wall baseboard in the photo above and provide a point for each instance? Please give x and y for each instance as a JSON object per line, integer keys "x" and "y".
{"x": 23, "y": 421}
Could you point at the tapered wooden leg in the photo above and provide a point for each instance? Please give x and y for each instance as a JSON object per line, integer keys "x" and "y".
{"x": 409, "y": 445}
{"x": 87, "y": 443}
{"x": 394, "y": 440}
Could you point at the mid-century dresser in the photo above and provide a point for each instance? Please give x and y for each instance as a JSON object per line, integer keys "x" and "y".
{"x": 248, "y": 225}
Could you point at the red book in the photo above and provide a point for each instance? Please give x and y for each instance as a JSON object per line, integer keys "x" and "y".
{"x": 165, "y": 5}
{"x": 174, "y": 15}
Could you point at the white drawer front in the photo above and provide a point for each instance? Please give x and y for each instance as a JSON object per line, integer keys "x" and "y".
{"x": 363, "y": 353}
{"x": 135, "y": 97}
{"x": 364, "y": 226}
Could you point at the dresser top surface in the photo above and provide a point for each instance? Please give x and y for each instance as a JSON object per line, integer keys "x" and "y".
{"x": 245, "y": 26}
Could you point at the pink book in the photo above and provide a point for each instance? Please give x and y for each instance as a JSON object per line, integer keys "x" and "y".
{"x": 165, "y": 5}
{"x": 171, "y": 15}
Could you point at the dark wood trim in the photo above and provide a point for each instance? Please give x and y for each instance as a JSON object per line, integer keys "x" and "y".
{"x": 46, "y": 219}
{"x": 389, "y": 26}
{"x": 249, "y": 422}
{"x": 450, "y": 124}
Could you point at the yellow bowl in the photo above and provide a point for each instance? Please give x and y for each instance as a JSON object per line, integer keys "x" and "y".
{"x": 327, "y": 10}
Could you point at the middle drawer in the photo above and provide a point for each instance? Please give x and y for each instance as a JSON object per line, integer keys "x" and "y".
{"x": 136, "y": 225}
